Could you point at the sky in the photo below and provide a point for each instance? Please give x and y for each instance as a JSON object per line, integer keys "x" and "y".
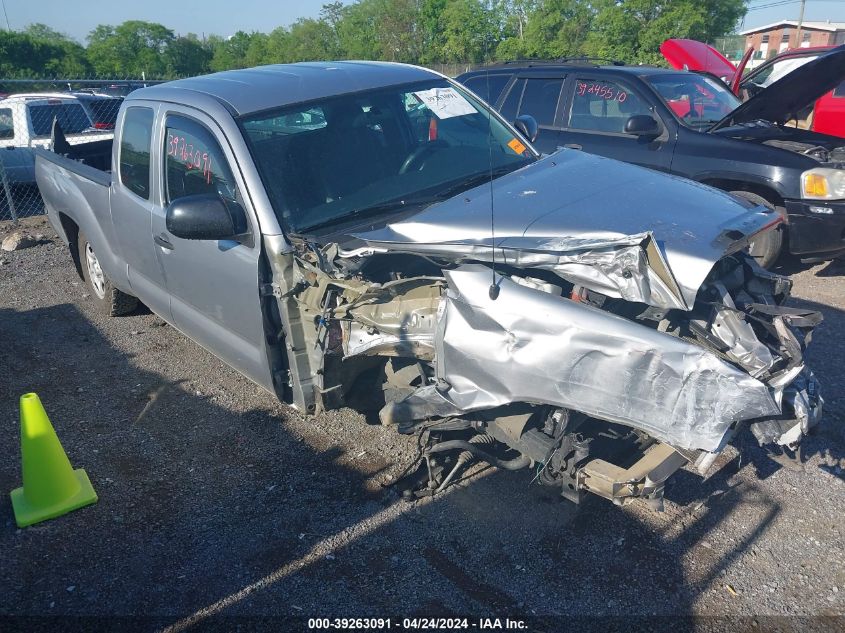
{"x": 224, "y": 17}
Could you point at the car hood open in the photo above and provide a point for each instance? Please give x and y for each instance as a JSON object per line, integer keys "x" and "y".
{"x": 782, "y": 100}
{"x": 619, "y": 229}
{"x": 694, "y": 55}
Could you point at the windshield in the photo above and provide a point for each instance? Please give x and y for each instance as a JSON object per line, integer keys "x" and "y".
{"x": 697, "y": 100}
{"x": 778, "y": 69}
{"x": 372, "y": 152}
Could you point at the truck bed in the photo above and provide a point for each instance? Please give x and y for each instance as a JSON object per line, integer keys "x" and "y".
{"x": 78, "y": 191}
{"x": 70, "y": 165}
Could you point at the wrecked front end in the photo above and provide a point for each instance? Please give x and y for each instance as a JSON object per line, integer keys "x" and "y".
{"x": 589, "y": 363}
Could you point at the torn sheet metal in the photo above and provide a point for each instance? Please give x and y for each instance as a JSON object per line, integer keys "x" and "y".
{"x": 736, "y": 333}
{"x": 394, "y": 319}
{"x": 803, "y": 407}
{"x": 629, "y": 267}
{"x": 530, "y": 346}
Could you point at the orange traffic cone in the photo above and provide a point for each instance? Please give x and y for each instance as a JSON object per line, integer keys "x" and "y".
{"x": 51, "y": 487}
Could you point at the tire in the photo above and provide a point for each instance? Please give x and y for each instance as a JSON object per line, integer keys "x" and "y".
{"x": 766, "y": 248}
{"x": 109, "y": 300}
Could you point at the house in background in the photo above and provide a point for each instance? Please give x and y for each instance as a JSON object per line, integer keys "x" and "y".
{"x": 771, "y": 39}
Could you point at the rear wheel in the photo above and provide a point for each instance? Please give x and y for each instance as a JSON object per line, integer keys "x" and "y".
{"x": 110, "y": 301}
{"x": 765, "y": 248}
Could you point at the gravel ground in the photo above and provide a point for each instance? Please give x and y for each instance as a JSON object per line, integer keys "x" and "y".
{"x": 216, "y": 500}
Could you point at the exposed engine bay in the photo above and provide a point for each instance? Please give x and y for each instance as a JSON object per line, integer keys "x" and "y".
{"x": 598, "y": 393}
{"x": 834, "y": 155}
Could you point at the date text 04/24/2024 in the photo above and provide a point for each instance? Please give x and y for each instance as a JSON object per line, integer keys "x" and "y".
{"x": 416, "y": 624}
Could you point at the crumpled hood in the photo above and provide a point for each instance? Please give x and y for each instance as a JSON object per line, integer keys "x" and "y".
{"x": 789, "y": 95}
{"x": 619, "y": 229}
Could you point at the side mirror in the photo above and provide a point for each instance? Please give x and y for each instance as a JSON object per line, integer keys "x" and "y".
{"x": 205, "y": 217}
{"x": 642, "y": 125}
{"x": 527, "y": 126}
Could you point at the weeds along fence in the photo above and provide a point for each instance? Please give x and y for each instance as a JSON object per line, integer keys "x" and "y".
{"x": 83, "y": 110}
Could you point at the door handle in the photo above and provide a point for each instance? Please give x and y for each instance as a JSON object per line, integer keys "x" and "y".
{"x": 573, "y": 146}
{"x": 162, "y": 241}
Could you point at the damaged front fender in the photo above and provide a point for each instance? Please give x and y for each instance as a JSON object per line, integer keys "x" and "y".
{"x": 531, "y": 346}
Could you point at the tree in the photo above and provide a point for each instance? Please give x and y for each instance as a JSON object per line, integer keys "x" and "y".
{"x": 311, "y": 40}
{"x": 186, "y": 56}
{"x": 415, "y": 31}
{"x": 558, "y": 28}
{"x": 65, "y": 56}
{"x": 514, "y": 16}
{"x": 41, "y": 52}
{"x": 632, "y": 30}
{"x": 230, "y": 52}
{"x": 358, "y": 31}
{"x": 130, "y": 49}
{"x": 398, "y": 35}
{"x": 468, "y": 31}
{"x": 432, "y": 30}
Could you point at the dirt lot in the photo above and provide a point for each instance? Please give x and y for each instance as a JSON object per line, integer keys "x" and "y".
{"x": 215, "y": 500}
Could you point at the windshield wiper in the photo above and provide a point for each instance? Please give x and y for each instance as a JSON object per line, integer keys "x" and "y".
{"x": 375, "y": 209}
{"x": 453, "y": 189}
{"x": 473, "y": 180}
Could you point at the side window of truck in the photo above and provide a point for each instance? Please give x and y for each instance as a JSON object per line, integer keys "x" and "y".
{"x": 603, "y": 106}
{"x": 7, "y": 125}
{"x": 488, "y": 88}
{"x": 134, "y": 160}
{"x": 511, "y": 103}
{"x": 194, "y": 162}
{"x": 540, "y": 99}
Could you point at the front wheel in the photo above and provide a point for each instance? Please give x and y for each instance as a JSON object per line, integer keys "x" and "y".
{"x": 766, "y": 247}
{"x": 110, "y": 301}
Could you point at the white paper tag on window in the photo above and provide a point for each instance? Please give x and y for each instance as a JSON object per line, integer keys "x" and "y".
{"x": 445, "y": 103}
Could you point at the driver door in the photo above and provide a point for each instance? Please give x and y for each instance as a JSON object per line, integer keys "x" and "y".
{"x": 213, "y": 284}
{"x": 595, "y": 122}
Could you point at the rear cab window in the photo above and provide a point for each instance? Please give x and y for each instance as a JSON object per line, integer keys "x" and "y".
{"x": 134, "y": 155}
{"x": 71, "y": 117}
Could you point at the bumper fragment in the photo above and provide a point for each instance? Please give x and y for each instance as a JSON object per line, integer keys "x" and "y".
{"x": 816, "y": 227}
{"x": 802, "y": 410}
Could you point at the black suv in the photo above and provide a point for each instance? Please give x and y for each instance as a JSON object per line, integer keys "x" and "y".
{"x": 691, "y": 124}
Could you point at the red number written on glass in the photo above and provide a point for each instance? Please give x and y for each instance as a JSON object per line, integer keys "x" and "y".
{"x": 603, "y": 91}
{"x": 179, "y": 148}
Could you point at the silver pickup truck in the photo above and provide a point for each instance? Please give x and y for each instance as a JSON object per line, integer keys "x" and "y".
{"x": 374, "y": 235}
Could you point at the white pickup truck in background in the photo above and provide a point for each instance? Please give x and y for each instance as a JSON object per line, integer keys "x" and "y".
{"x": 26, "y": 121}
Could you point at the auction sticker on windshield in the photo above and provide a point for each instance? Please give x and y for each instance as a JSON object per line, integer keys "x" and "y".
{"x": 516, "y": 146}
{"x": 445, "y": 103}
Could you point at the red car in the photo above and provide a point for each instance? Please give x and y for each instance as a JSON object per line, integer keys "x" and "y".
{"x": 826, "y": 115}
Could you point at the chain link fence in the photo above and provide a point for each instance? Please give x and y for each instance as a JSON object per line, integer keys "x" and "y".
{"x": 81, "y": 111}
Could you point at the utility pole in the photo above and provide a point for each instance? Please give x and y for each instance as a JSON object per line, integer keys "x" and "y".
{"x": 800, "y": 22}
{"x": 8, "y": 26}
